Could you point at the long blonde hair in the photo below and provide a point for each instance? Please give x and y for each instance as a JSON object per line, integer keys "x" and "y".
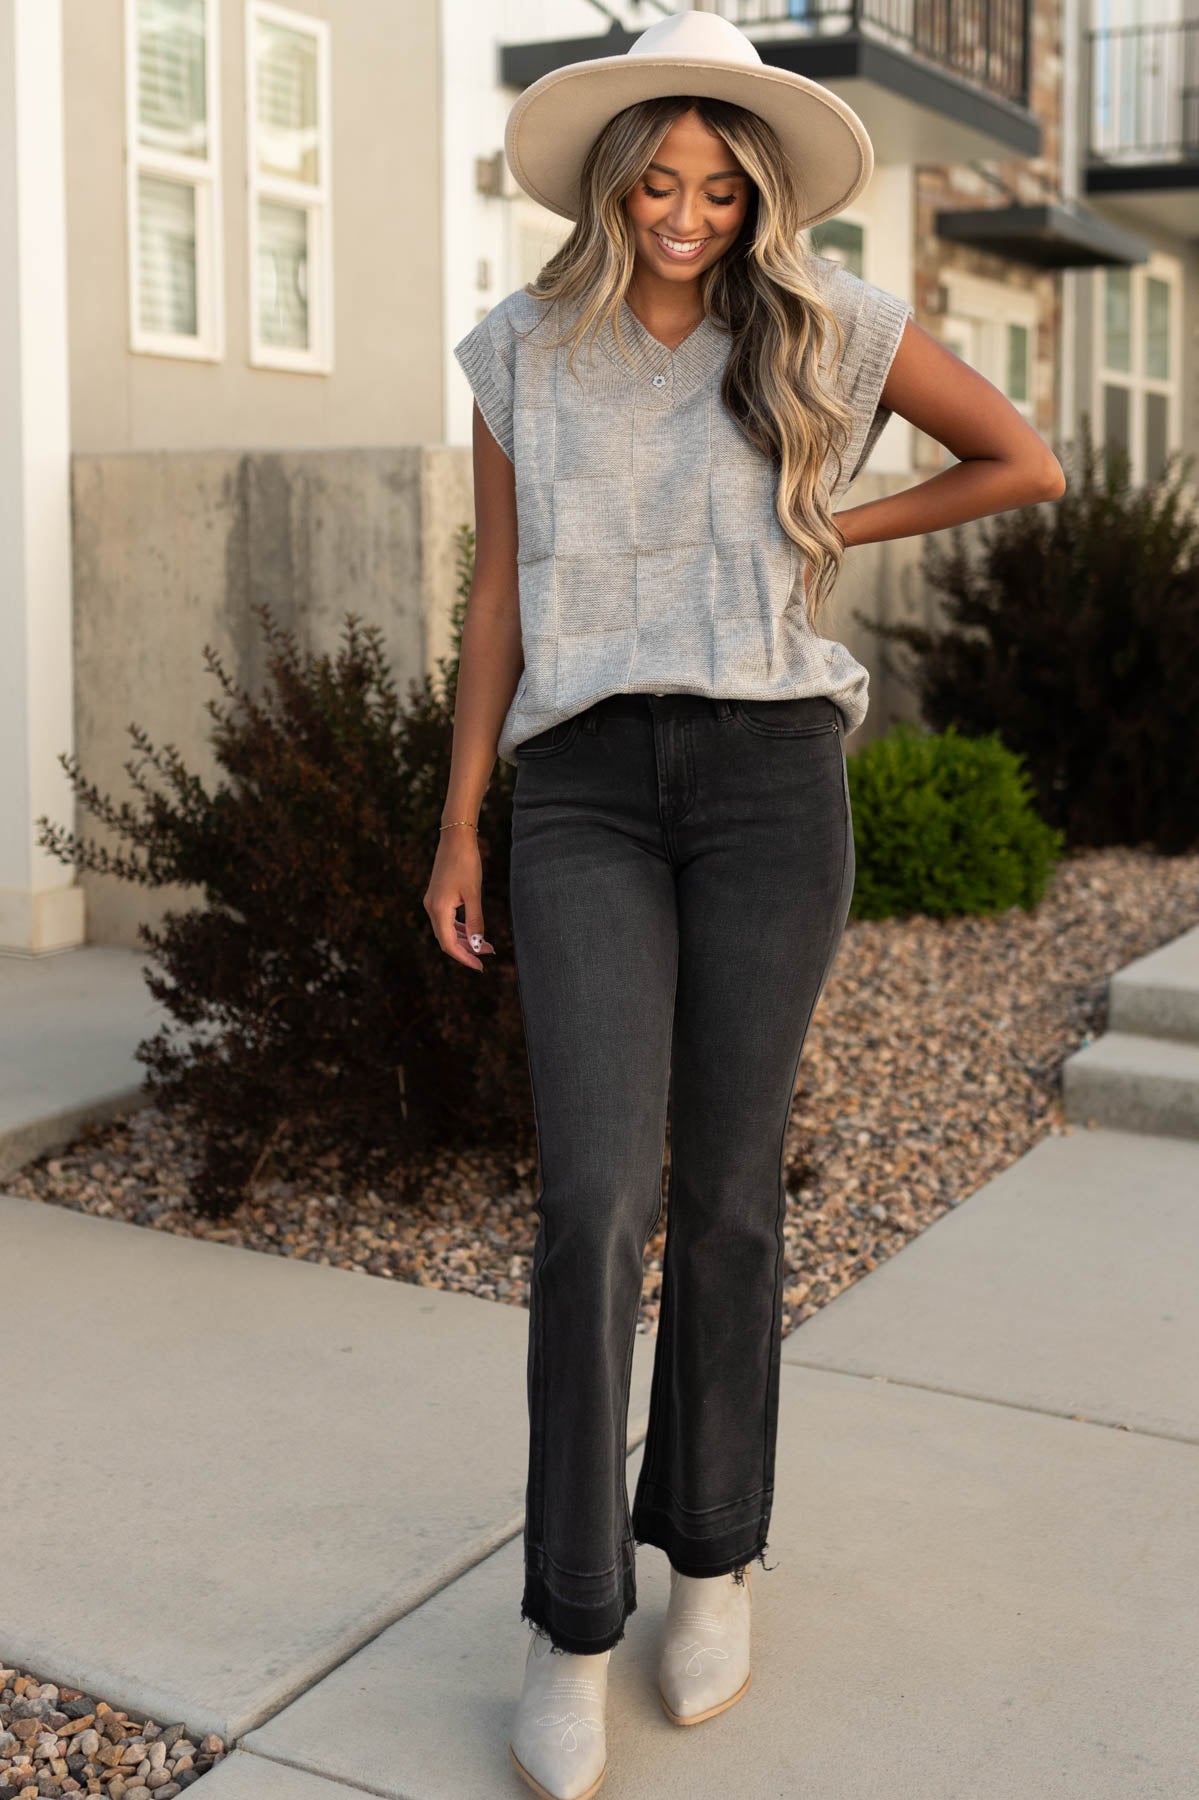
{"x": 761, "y": 290}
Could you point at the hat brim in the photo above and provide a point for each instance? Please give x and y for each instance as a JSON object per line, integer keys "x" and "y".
{"x": 555, "y": 121}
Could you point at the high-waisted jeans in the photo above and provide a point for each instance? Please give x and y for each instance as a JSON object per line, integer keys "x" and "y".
{"x": 681, "y": 874}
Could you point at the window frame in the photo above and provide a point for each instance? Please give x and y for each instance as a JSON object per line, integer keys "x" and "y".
{"x": 1135, "y": 381}
{"x": 316, "y": 198}
{"x": 990, "y": 307}
{"x": 205, "y": 176}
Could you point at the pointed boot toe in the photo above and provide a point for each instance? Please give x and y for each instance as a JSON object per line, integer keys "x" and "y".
{"x": 558, "y": 1742}
{"x": 704, "y": 1662}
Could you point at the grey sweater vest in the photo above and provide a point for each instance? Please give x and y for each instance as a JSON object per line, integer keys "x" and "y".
{"x": 650, "y": 556}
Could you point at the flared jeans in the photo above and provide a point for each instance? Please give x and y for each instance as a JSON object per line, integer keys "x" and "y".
{"x": 681, "y": 874}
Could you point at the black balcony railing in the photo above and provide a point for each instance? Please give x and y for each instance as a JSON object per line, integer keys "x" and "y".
{"x": 1143, "y": 82}
{"x": 984, "y": 41}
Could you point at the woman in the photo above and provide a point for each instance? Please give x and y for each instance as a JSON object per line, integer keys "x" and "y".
{"x": 663, "y": 422}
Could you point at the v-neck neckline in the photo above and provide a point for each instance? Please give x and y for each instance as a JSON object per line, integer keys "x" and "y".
{"x": 666, "y": 349}
{"x": 686, "y": 367}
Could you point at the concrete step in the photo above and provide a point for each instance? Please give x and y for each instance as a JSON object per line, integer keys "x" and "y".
{"x": 1158, "y": 995}
{"x": 1133, "y": 1083}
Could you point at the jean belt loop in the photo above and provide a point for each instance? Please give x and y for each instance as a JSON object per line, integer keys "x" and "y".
{"x": 723, "y": 708}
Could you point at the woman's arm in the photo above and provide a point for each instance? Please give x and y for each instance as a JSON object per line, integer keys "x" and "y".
{"x": 489, "y": 666}
{"x": 1003, "y": 463}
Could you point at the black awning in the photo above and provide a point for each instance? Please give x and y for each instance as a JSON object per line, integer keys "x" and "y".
{"x": 1049, "y": 235}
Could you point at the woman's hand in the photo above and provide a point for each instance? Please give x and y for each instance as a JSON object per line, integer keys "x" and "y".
{"x": 457, "y": 880}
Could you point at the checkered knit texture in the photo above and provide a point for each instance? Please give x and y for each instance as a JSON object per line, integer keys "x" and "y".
{"x": 650, "y": 555}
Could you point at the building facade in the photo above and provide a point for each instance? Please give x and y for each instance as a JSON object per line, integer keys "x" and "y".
{"x": 238, "y": 240}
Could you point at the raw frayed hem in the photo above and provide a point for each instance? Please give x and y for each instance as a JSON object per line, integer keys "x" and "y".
{"x": 737, "y": 1571}
{"x": 538, "y": 1629}
{"x": 759, "y": 1557}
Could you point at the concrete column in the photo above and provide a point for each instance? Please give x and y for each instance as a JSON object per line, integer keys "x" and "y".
{"x": 40, "y": 907}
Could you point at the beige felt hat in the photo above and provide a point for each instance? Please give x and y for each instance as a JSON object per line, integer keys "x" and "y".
{"x": 555, "y": 121}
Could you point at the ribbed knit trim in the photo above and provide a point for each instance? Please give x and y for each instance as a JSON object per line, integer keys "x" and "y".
{"x": 686, "y": 367}
{"x": 886, "y": 322}
{"x": 495, "y": 405}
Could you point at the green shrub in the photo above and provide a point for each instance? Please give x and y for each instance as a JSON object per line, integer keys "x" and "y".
{"x": 312, "y": 1006}
{"x": 944, "y": 825}
{"x": 1074, "y": 633}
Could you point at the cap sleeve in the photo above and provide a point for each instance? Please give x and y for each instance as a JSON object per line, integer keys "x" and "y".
{"x": 486, "y": 356}
{"x": 872, "y": 320}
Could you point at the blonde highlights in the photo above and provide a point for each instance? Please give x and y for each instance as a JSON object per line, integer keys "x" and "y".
{"x": 760, "y": 290}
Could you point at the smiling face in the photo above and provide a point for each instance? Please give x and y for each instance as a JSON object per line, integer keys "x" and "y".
{"x": 688, "y": 207}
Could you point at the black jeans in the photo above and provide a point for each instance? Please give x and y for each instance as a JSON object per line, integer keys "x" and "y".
{"x": 681, "y": 875}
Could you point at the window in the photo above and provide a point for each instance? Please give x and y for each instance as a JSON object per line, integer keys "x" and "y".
{"x": 291, "y": 282}
{"x": 1137, "y": 402}
{"x": 994, "y": 329}
{"x": 1018, "y": 385}
{"x": 840, "y": 241}
{"x": 173, "y": 195}
{"x": 1142, "y": 81}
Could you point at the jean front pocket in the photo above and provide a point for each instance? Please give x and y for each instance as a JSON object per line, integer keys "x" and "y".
{"x": 808, "y": 716}
{"x": 552, "y": 741}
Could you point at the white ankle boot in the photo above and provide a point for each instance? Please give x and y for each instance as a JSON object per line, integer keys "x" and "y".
{"x": 559, "y": 1744}
{"x": 704, "y": 1664}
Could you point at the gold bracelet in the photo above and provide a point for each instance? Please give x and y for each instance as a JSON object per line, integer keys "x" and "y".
{"x": 450, "y": 822}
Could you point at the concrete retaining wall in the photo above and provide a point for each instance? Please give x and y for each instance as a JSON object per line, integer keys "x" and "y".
{"x": 171, "y": 549}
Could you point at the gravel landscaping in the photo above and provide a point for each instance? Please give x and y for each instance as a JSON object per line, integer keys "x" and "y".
{"x": 58, "y": 1740}
{"x": 932, "y": 1063}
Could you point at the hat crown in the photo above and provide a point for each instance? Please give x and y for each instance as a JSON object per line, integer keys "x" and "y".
{"x": 696, "y": 37}
{"x": 553, "y": 125}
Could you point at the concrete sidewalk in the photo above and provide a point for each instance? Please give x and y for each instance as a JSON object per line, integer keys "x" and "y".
{"x": 971, "y": 1590}
{"x": 264, "y": 1461}
{"x": 303, "y": 1487}
{"x": 69, "y": 1025}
